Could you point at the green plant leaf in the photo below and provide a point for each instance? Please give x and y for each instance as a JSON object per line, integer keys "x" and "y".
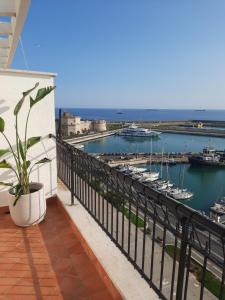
{"x": 28, "y": 162}
{"x": 43, "y": 161}
{"x": 32, "y": 141}
{"x": 41, "y": 94}
{"x": 21, "y": 150}
{"x": 2, "y": 125}
{"x": 5, "y": 165}
{"x": 6, "y": 183}
{"x": 18, "y": 193}
{"x": 3, "y": 151}
{"x": 20, "y": 103}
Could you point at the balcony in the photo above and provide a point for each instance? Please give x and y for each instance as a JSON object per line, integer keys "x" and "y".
{"x": 178, "y": 252}
{"x": 105, "y": 235}
{"x": 103, "y": 226}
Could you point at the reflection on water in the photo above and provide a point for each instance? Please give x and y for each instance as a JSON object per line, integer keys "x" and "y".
{"x": 136, "y": 140}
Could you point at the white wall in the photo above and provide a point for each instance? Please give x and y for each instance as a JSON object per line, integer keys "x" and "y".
{"x": 42, "y": 122}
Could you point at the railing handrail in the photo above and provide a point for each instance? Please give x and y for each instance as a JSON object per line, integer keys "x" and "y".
{"x": 182, "y": 210}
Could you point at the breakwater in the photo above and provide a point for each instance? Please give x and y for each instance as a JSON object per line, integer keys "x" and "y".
{"x": 194, "y": 131}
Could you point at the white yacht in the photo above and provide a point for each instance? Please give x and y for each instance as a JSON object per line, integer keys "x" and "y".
{"x": 130, "y": 169}
{"x": 149, "y": 176}
{"x": 180, "y": 194}
{"x": 134, "y": 130}
{"x": 79, "y": 146}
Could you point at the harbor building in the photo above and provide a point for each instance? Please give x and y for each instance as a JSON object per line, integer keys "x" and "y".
{"x": 72, "y": 125}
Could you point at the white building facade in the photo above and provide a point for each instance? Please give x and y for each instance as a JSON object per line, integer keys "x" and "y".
{"x": 12, "y": 84}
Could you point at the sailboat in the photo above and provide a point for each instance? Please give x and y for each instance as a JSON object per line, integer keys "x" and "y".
{"x": 181, "y": 193}
{"x": 150, "y": 176}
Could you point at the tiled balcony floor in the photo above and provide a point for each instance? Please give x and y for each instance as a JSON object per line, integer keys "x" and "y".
{"x": 46, "y": 261}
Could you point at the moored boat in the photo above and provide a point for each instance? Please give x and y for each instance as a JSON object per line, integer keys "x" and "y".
{"x": 135, "y": 131}
{"x": 217, "y": 211}
{"x": 149, "y": 177}
{"x": 208, "y": 157}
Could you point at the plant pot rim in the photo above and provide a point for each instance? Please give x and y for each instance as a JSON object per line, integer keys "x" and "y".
{"x": 37, "y": 186}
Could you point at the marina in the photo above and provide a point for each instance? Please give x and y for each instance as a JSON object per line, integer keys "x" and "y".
{"x": 153, "y": 180}
{"x": 206, "y": 182}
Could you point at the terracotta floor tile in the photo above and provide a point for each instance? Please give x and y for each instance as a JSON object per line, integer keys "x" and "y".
{"x": 18, "y": 297}
{"x": 46, "y": 261}
{"x": 102, "y": 295}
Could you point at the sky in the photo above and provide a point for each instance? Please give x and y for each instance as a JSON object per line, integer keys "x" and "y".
{"x": 129, "y": 53}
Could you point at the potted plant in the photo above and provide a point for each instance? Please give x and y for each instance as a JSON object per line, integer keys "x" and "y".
{"x": 27, "y": 203}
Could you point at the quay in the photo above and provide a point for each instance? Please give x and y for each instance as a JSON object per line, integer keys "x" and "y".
{"x": 115, "y": 159}
{"x": 90, "y": 137}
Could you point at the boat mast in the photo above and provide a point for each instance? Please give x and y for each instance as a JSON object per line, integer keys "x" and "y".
{"x": 161, "y": 172}
{"x": 151, "y": 155}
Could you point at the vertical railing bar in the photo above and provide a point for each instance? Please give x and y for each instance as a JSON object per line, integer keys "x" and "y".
{"x": 222, "y": 293}
{"x": 72, "y": 177}
{"x": 204, "y": 271}
{"x": 144, "y": 237}
{"x": 91, "y": 188}
{"x": 162, "y": 258}
{"x": 153, "y": 245}
{"x": 67, "y": 170}
{"x": 129, "y": 226}
{"x": 103, "y": 211}
{"x": 88, "y": 186}
{"x": 136, "y": 233}
{"x": 74, "y": 174}
{"x": 117, "y": 211}
{"x": 98, "y": 207}
{"x": 182, "y": 258}
{"x": 174, "y": 264}
{"x": 79, "y": 176}
{"x": 187, "y": 272}
{"x": 83, "y": 182}
{"x": 122, "y": 236}
{"x": 107, "y": 210}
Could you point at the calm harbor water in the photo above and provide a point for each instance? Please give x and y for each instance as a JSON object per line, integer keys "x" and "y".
{"x": 207, "y": 183}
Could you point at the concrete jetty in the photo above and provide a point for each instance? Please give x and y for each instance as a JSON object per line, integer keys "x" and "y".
{"x": 89, "y": 137}
{"x": 114, "y": 159}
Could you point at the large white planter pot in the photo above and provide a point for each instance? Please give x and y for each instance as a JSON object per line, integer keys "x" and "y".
{"x": 30, "y": 209}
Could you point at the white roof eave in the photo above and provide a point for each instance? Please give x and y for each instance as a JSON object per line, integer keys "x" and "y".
{"x": 10, "y": 32}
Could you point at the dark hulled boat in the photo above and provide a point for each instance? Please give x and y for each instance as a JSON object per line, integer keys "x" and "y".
{"x": 209, "y": 157}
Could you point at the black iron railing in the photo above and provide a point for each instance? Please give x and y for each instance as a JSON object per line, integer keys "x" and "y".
{"x": 179, "y": 252}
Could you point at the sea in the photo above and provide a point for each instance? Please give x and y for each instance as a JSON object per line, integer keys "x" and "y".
{"x": 145, "y": 114}
{"x": 207, "y": 183}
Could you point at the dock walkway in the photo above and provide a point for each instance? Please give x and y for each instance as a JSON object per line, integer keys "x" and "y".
{"x": 90, "y": 137}
{"x": 115, "y": 159}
